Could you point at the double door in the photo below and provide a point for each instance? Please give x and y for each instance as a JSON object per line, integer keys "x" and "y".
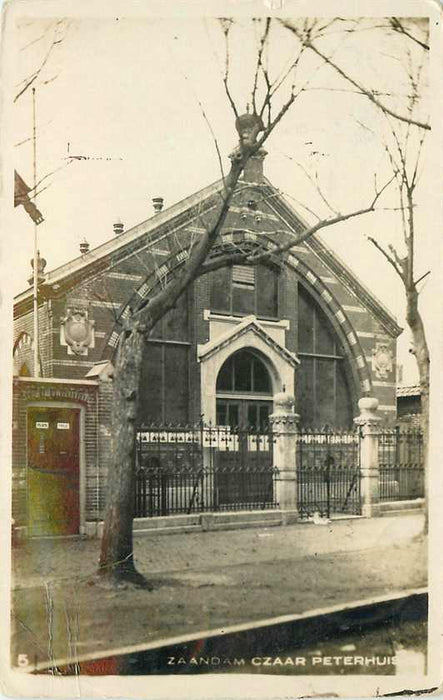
{"x": 243, "y": 476}
{"x": 53, "y": 471}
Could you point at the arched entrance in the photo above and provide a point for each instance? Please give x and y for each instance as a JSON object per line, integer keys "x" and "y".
{"x": 243, "y": 474}
{"x": 244, "y": 391}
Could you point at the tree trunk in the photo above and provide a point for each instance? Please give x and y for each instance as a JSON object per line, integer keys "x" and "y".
{"x": 421, "y": 351}
{"x": 116, "y": 556}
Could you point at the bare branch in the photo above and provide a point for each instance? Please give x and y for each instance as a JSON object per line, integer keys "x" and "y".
{"x": 397, "y": 26}
{"x": 226, "y": 26}
{"x": 315, "y": 183}
{"x": 367, "y": 93}
{"x": 422, "y": 277}
{"x": 391, "y": 260}
{"x": 318, "y": 226}
{"x": 55, "y": 41}
{"x": 259, "y": 65}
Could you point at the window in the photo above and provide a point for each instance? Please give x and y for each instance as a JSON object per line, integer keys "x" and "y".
{"x": 323, "y": 394}
{"x": 244, "y": 391}
{"x": 164, "y": 394}
{"x": 244, "y": 372}
{"x": 242, "y": 290}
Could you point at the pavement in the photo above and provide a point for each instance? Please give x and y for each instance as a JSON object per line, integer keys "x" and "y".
{"x": 206, "y": 581}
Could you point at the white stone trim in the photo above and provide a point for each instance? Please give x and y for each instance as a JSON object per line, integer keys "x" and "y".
{"x": 247, "y": 325}
{"x": 72, "y": 363}
{"x": 143, "y": 290}
{"x": 209, "y": 315}
{"x": 351, "y": 338}
{"x": 380, "y": 336}
{"x": 329, "y": 280}
{"x": 124, "y": 276}
{"x": 311, "y": 277}
{"x": 387, "y": 408}
{"x": 159, "y": 251}
{"x": 57, "y": 380}
{"x": 113, "y": 339}
{"x": 388, "y": 385}
{"x": 93, "y": 302}
{"x": 356, "y": 309}
{"x": 245, "y": 335}
{"x": 360, "y": 361}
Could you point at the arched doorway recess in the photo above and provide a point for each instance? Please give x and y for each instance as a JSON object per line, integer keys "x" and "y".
{"x": 244, "y": 391}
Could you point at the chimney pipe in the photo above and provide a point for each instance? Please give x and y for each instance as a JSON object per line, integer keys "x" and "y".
{"x": 84, "y": 247}
{"x": 118, "y": 227}
{"x": 157, "y": 204}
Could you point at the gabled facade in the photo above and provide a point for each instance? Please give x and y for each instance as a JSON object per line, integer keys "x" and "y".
{"x": 300, "y": 323}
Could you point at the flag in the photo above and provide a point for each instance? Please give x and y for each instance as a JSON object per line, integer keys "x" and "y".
{"x": 21, "y": 196}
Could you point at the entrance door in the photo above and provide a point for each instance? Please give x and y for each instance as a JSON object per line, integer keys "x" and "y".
{"x": 247, "y": 414}
{"x": 53, "y": 471}
{"x": 244, "y": 470}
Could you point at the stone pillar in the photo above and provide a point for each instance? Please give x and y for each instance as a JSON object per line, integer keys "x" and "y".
{"x": 284, "y": 428}
{"x": 369, "y": 424}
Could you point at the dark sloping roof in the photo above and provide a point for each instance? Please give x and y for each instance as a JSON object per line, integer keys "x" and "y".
{"x": 180, "y": 213}
{"x": 336, "y": 265}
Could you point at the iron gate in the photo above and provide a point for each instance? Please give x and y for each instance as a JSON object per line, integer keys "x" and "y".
{"x": 187, "y": 469}
{"x": 328, "y": 472}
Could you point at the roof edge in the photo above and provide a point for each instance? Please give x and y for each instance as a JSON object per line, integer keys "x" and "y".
{"x": 101, "y": 251}
{"x": 345, "y": 273}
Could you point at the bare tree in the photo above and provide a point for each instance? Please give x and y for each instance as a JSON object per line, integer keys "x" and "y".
{"x": 404, "y": 150}
{"x": 254, "y": 127}
{"x": 403, "y": 147}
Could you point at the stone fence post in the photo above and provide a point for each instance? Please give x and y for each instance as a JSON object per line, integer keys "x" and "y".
{"x": 369, "y": 424}
{"x": 284, "y": 423}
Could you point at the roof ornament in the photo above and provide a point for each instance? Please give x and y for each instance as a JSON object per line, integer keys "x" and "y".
{"x": 84, "y": 246}
{"x": 248, "y": 127}
{"x": 157, "y": 203}
{"x": 41, "y": 264}
{"x": 118, "y": 227}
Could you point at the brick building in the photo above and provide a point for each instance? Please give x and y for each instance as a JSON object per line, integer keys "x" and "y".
{"x": 301, "y": 323}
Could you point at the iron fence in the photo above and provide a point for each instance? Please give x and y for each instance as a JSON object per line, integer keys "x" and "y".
{"x": 328, "y": 472}
{"x": 195, "y": 469}
{"x": 400, "y": 456}
{"x": 204, "y": 468}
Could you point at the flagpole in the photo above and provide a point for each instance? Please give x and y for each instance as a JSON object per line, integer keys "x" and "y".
{"x": 36, "y": 256}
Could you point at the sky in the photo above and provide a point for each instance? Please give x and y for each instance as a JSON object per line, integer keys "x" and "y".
{"x": 144, "y": 99}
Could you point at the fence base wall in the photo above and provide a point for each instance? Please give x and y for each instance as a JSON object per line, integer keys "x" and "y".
{"x": 388, "y": 508}
{"x": 203, "y": 522}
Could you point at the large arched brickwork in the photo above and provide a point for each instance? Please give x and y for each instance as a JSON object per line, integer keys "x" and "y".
{"x": 340, "y": 322}
{"x": 315, "y": 286}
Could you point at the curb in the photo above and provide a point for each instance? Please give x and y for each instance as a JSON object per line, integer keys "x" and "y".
{"x": 353, "y": 608}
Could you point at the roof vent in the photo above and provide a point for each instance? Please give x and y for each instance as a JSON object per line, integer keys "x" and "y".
{"x": 84, "y": 247}
{"x": 118, "y": 227}
{"x": 157, "y": 204}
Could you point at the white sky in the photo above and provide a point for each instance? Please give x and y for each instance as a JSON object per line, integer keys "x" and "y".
{"x": 129, "y": 89}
